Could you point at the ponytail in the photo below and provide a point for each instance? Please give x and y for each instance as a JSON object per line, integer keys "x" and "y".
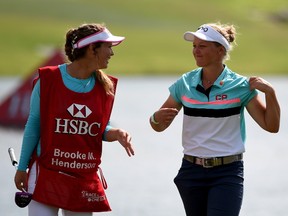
{"x": 106, "y": 82}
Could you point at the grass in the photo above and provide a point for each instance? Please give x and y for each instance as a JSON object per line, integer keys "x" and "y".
{"x": 153, "y": 29}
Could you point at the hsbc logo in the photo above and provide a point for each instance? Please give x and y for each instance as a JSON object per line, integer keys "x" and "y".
{"x": 76, "y": 126}
{"x": 79, "y": 111}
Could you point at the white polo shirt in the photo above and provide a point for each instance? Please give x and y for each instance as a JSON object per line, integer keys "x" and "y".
{"x": 213, "y": 122}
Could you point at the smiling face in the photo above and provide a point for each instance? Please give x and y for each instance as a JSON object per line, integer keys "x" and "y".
{"x": 207, "y": 53}
{"x": 103, "y": 54}
{"x": 97, "y": 55}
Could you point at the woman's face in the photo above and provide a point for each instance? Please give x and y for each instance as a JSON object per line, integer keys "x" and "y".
{"x": 207, "y": 53}
{"x": 103, "y": 54}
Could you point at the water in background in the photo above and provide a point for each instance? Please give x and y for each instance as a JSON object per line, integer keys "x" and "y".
{"x": 143, "y": 185}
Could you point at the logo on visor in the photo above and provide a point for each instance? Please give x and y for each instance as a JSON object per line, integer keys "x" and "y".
{"x": 205, "y": 29}
{"x": 78, "y": 110}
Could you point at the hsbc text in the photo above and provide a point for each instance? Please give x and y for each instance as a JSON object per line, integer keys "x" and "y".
{"x": 68, "y": 126}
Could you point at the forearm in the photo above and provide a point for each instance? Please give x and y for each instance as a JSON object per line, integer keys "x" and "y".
{"x": 29, "y": 143}
{"x": 272, "y": 113}
{"x": 32, "y": 129}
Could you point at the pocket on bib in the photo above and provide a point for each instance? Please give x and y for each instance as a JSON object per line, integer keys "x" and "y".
{"x": 68, "y": 192}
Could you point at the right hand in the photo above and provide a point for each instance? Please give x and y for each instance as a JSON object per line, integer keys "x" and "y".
{"x": 165, "y": 115}
{"x": 20, "y": 180}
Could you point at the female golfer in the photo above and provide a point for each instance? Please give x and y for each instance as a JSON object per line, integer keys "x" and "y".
{"x": 213, "y": 97}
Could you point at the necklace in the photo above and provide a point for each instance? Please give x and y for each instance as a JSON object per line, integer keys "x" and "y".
{"x": 86, "y": 82}
{"x": 209, "y": 82}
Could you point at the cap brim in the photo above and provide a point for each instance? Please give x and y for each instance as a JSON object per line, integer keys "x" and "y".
{"x": 190, "y": 36}
{"x": 115, "y": 40}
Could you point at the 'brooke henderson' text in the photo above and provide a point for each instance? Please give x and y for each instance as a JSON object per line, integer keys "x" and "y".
{"x": 60, "y": 156}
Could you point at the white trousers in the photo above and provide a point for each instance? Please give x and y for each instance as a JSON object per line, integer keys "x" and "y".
{"x": 37, "y": 208}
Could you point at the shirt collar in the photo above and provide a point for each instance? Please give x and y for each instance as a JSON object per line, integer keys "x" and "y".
{"x": 219, "y": 81}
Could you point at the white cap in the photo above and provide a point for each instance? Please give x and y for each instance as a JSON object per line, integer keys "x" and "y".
{"x": 101, "y": 36}
{"x": 207, "y": 33}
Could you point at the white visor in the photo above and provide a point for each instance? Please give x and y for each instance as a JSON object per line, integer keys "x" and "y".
{"x": 101, "y": 36}
{"x": 207, "y": 33}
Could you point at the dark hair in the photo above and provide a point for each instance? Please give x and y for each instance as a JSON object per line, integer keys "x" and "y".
{"x": 74, "y": 35}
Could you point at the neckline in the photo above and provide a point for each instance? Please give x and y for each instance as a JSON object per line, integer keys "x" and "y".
{"x": 81, "y": 82}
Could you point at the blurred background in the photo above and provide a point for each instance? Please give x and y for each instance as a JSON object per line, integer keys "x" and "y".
{"x": 153, "y": 29}
{"x": 151, "y": 58}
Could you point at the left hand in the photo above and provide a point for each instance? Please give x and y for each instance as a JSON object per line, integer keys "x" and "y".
{"x": 124, "y": 139}
{"x": 20, "y": 180}
{"x": 260, "y": 84}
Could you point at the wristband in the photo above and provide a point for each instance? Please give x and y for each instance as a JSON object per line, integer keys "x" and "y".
{"x": 153, "y": 119}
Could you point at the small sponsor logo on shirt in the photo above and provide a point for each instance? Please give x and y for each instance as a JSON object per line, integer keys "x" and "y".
{"x": 221, "y": 97}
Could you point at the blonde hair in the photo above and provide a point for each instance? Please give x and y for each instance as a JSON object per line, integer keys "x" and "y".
{"x": 73, "y": 36}
{"x": 228, "y": 31}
